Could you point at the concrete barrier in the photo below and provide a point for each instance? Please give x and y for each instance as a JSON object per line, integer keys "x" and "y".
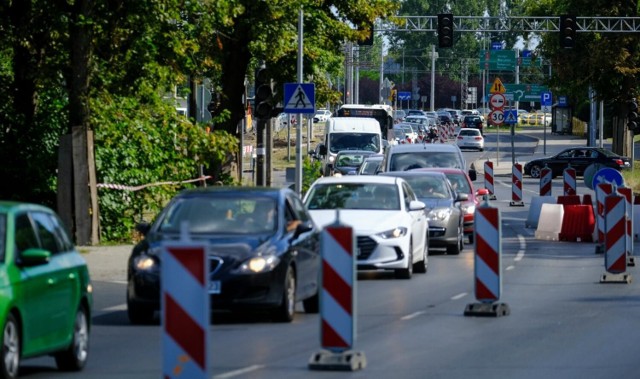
{"x": 535, "y": 208}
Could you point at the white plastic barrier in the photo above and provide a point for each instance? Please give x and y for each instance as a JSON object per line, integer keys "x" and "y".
{"x": 535, "y": 208}
{"x": 550, "y": 222}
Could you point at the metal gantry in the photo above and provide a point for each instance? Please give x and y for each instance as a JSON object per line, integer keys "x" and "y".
{"x": 512, "y": 24}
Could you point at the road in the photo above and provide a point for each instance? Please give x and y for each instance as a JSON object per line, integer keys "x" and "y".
{"x": 563, "y": 322}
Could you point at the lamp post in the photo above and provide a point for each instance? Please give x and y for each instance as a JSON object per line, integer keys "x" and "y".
{"x": 434, "y": 56}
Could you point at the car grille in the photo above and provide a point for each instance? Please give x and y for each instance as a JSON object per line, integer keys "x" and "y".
{"x": 366, "y": 246}
{"x": 436, "y": 231}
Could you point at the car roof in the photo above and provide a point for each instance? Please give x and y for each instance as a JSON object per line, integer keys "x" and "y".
{"x": 377, "y": 179}
{"x": 413, "y": 173}
{"x": 235, "y": 191}
{"x": 437, "y": 147}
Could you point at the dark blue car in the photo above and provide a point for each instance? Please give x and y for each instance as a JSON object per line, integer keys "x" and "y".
{"x": 263, "y": 251}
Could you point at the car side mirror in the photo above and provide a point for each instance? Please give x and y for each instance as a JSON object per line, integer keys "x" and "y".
{"x": 460, "y": 196}
{"x": 322, "y": 150}
{"x": 300, "y": 228}
{"x": 34, "y": 257}
{"x": 143, "y": 228}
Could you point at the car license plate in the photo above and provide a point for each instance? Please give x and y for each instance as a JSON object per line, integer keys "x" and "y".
{"x": 215, "y": 287}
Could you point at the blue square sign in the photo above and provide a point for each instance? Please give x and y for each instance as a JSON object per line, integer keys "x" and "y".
{"x": 546, "y": 99}
{"x": 299, "y": 98}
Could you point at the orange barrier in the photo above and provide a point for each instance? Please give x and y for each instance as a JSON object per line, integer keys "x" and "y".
{"x": 578, "y": 223}
{"x": 569, "y": 200}
{"x": 586, "y": 199}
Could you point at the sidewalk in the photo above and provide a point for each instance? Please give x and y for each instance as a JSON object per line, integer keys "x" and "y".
{"x": 107, "y": 263}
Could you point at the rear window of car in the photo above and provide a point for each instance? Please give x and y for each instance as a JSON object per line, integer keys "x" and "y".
{"x": 469, "y": 132}
{"x": 423, "y": 159}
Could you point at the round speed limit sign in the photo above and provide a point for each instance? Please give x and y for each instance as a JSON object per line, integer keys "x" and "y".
{"x": 496, "y": 117}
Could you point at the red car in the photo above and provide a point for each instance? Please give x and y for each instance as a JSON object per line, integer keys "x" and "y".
{"x": 461, "y": 182}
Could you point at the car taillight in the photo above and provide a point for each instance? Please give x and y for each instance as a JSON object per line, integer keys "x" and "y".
{"x": 460, "y": 137}
{"x": 619, "y": 162}
{"x": 408, "y": 139}
{"x": 478, "y": 138}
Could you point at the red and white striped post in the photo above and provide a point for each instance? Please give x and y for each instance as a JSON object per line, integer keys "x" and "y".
{"x": 627, "y": 193}
{"x": 487, "y": 264}
{"x": 184, "y": 276}
{"x": 488, "y": 179}
{"x": 442, "y": 134}
{"x": 452, "y": 130}
{"x": 337, "y": 301}
{"x": 602, "y": 190}
{"x": 545, "y": 181}
{"x": 569, "y": 180}
{"x": 615, "y": 255}
{"x": 516, "y": 186}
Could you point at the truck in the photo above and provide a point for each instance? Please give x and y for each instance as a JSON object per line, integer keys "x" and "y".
{"x": 347, "y": 133}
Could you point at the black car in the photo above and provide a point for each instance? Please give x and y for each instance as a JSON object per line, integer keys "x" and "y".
{"x": 263, "y": 251}
{"x": 579, "y": 158}
{"x": 348, "y": 161}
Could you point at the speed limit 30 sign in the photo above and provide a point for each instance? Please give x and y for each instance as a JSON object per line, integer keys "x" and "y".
{"x": 496, "y": 117}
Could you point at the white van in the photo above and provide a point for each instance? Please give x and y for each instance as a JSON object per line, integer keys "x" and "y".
{"x": 348, "y": 133}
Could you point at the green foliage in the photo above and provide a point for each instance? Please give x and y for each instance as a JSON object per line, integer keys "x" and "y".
{"x": 141, "y": 144}
{"x": 311, "y": 170}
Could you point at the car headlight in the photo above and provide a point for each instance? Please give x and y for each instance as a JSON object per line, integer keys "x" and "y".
{"x": 393, "y": 233}
{"x": 259, "y": 264}
{"x": 439, "y": 214}
{"x": 468, "y": 208}
{"x": 332, "y": 158}
{"x": 144, "y": 262}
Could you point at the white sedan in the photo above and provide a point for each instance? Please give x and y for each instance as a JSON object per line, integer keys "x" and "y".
{"x": 470, "y": 138}
{"x": 389, "y": 222}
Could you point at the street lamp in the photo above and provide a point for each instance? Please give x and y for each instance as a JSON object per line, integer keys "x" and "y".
{"x": 434, "y": 56}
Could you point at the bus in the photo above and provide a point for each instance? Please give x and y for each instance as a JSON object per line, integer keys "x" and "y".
{"x": 381, "y": 112}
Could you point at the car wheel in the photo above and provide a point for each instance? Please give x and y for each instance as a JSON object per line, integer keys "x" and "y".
{"x": 312, "y": 304}
{"x": 535, "y": 170}
{"x": 481, "y": 149}
{"x": 421, "y": 267}
{"x": 10, "y": 348}
{"x": 455, "y": 248}
{"x": 75, "y": 356}
{"x": 287, "y": 309}
{"x": 405, "y": 273}
{"x": 139, "y": 314}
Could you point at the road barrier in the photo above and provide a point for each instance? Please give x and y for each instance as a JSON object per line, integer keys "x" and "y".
{"x": 578, "y": 223}
{"x": 546, "y": 181}
{"x": 627, "y": 193}
{"x": 535, "y": 208}
{"x": 488, "y": 179}
{"x": 602, "y": 190}
{"x": 516, "y": 186}
{"x": 185, "y": 310}
{"x": 442, "y": 134}
{"x": 615, "y": 255}
{"x": 550, "y": 223}
{"x": 337, "y": 301}
{"x": 569, "y": 181}
{"x": 569, "y": 200}
{"x": 487, "y": 264}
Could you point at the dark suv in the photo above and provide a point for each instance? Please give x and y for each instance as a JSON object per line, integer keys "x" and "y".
{"x": 472, "y": 121}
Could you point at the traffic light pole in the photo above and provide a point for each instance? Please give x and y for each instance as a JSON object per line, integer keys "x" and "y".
{"x": 260, "y": 152}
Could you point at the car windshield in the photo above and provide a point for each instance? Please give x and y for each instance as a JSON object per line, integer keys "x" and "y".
{"x": 459, "y": 183}
{"x": 353, "y": 196}
{"x": 369, "y": 167}
{"x": 428, "y": 186}
{"x": 423, "y": 159}
{"x": 221, "y": 215}
{"x": 354, "y": 141}
{"x": 3, "y": 234}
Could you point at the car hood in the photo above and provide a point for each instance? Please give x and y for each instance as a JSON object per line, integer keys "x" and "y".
{"x": 431, "y": 203}
{"x": 363, "y": 221}
{"x": 239, "y": 246}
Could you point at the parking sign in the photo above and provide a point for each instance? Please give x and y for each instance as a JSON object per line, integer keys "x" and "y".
{"x": 546, "y": 98}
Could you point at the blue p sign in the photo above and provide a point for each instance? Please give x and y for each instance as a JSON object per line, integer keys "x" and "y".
{"x": 545, "y": 99}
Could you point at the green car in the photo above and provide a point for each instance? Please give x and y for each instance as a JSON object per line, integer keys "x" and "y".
{"x": 45, "y": 290}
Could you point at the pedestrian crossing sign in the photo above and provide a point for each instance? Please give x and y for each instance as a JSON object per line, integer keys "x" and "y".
{"x": 511, "y": 116}
{"x": 299, "y": 98}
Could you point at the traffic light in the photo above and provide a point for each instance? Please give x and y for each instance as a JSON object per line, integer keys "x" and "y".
{"x": 369, "y": 40}
{"x": 633, "y": 120}
{"x": 264, "y": 93}
{"x": 445, "y": 30}
{"x": 568, "y": 31}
